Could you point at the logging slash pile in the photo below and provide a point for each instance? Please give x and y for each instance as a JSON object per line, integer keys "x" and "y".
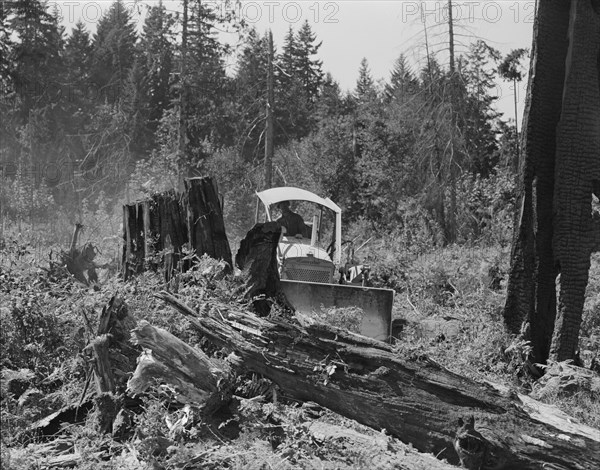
{"x": 86, "y": 385}
{"x": 210, "y": 368}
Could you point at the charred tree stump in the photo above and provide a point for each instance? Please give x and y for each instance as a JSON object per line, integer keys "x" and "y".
{"x": 133, "y": 239}
{"x": 257, "y": 258}
{"x": 206, "y": 227}
{"x": 412, "y": 398}
{"x": 172, "y": 227}
{"x": 168, "y": 222}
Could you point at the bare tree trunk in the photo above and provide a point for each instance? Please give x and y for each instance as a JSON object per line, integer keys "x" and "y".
{"x": 206, "y": 227}
{"x": 269, "y": 148}
{"x": 577, "y": 165}
{"x": 531, "y": 295}
{"x": 257, "y": 258}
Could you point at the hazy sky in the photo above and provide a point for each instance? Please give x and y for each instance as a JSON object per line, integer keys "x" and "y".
{"x": 377, "y": 30}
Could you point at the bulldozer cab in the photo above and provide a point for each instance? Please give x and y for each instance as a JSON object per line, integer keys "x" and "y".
{"x": 320, "y": 236}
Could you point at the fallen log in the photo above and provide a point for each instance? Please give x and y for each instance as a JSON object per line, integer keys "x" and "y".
{"x": 412, "y": 398}
{"x": 194, "y": 375}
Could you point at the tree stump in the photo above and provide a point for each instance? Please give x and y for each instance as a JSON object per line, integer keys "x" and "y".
{"x": 257, "y": 258}
{"x": 206, "y": 227}
{"x": 165, "y": 224}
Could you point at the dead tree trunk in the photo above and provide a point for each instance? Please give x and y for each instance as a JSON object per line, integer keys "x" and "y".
{"x": 133, "y": 239}
{"x": 206, "y": 227}
{"x": 412, "y": 398}
{"x": 257, "y": 258}
{"x": 112, "y": 359}
{"x": 167, "y": 222}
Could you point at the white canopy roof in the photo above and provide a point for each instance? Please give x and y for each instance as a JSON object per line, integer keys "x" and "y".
{"x": 288, "y": 193}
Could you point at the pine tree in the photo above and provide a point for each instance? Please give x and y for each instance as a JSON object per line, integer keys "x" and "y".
{"x": 36, "y": 56}
{"x": 251, "y": 92}
{"x": 365, "y": 86}
{"x": 402, "y": 81}
{"x": 307, "y": 68}
{"x": 298, "y": 82}
{"x": 114, "y": 50}
{"x": 157, "y": 49}
{"x": 330, "y": 101}
{"x": 286, "y": 69}
{"x": 78, "y": 51}
{"x": 206, "y": 86}
{"x": 474, "y": 108}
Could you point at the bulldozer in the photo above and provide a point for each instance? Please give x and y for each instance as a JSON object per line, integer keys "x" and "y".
{"x": 310, "y": 258}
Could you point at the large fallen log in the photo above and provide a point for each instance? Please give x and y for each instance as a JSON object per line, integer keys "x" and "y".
{"x": 412, "y": 398}
{"x": 168, "y": 358}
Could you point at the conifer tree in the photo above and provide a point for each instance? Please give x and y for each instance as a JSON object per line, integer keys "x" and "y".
{"x": 158, "y": 63}
{"x": 365, "y": 86}
{"x": 287, "y": 60}
{"x": 298, "y": 80}
{"x": 205, "y": 85}
{"x": 331, "y": 102}
{"x": 77, "y": 55}
{"x": 307, "y": 68}
{"x": 35, "y": 63}
{"x": 402, "y": 81}
{"x": 251, "y": 92}
{"x": 114, "y": 50}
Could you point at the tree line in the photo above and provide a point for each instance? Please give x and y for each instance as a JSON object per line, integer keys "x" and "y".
{"x": 97, "y": 119}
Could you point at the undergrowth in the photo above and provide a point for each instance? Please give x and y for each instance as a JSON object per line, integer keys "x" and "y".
{"x": 448, "y": 301}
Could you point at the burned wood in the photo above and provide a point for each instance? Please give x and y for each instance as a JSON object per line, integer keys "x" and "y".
{"x": 257, "y": 258}
{"x": 412, "y": 398}
{"x": 206, "y": 227}
{"x": 80, "y": 262}
{"x": 160, "y": 229}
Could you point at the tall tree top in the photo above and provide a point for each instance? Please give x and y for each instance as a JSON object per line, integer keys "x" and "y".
{"x": 402, "y": 80}
{"x": 35, "y": 55}
{"x": 287, "y": 59}
{"x": 114, "y": 46}
{"x": 365, "y": 86}
{"x": 307, "y": 67}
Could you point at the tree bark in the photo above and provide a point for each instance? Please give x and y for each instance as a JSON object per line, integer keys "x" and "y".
{"x": 206, "y": 227}
{"x": 257, "y": 258}
{"x": 412, "y": 398}
{"x": 531, "y": 295}
{"x": 113, "y": 359}
{"x": 196, "y": 377}
{"x": 133, "y": 240}
{"x": 577, "y": 166}
{"x": 167, "y": 222}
